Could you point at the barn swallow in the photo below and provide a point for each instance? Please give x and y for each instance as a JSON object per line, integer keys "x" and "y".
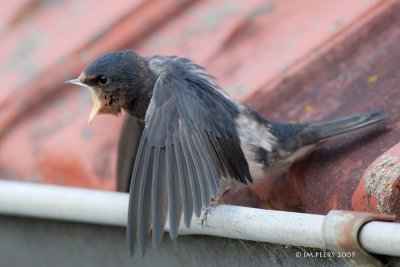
{"x": 196, "y": 137}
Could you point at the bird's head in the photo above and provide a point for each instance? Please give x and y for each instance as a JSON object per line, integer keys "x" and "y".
{"x": 117, "y": 80}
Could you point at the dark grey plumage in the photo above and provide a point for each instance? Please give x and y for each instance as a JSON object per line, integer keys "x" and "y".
{"x": 178, "y": 125}
{"x": 194, "y": 135}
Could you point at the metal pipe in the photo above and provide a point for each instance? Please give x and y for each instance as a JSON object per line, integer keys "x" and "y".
{"x": 63, "y": 203}
{"x": 289, "y": 228}
{"x": 103, "y": 207}
{"x": 381, "y": 238}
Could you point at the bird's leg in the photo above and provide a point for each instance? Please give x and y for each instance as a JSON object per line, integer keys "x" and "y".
{"x": 213, "y": 204}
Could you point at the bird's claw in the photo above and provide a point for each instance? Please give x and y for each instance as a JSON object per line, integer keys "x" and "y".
{"x": 213, "y": 204}
{"x": 208, "y": 210}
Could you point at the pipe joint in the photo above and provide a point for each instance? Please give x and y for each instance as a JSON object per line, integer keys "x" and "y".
{"x": 341, "y": 231}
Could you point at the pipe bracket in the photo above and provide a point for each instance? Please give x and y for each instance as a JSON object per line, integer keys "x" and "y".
{"x": 341, "y": 234}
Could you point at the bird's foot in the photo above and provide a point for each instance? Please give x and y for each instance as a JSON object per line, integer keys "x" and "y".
{"x": 213, "y": 204}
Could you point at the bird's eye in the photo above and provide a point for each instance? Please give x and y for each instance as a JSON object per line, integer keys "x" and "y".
{"x": 102, "y": 80}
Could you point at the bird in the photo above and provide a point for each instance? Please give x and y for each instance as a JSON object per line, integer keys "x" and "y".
{"x": 197, "y": 141}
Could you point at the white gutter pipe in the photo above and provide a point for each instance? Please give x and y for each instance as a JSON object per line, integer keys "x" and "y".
{"x": 110, "y": 208}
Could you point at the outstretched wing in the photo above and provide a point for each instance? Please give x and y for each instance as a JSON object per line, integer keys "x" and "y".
{"x": 189, "y": 142}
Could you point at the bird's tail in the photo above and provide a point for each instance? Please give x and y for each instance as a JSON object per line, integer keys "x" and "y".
{"x": 317, "y": 132}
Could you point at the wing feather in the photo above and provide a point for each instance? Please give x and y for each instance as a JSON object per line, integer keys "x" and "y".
{"x": 174, "y": 190}
{"x": 217, "y": 173}
{"x": 197, "y": 162}
{"x": 187, "y": 201}
{"x": 144, "y": 202}
{"x": 158, "y": 195}
{"x": 207, "y": 165}
{"x": 192, "y": 175}
{"x": 132, "y": 231}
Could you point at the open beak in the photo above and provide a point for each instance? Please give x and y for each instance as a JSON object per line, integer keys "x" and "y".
{"x": 98, "y": 103}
